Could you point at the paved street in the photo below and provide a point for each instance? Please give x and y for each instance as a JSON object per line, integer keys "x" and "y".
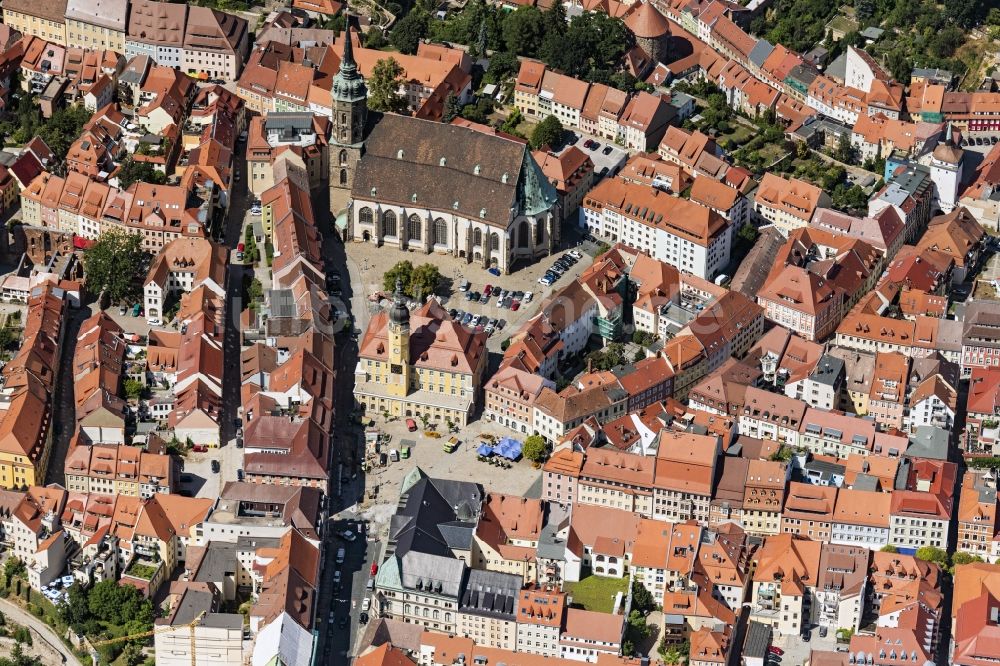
{"x": 230, "y": 458}
{"x": 64, "y": 400}
{"x": 16, "y": 614}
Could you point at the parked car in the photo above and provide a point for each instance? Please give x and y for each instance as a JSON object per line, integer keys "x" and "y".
{"x": 515, "y": 305}
{"x": 494, "y": 271}
{"x": 216, "y": 467}
{"x": 256, "y": 209}
{"x": 487, "y": 290}
{"x": 348, "y": 535}
{"x": 122, "y": 309}
{"x": 576, "y": 253}
{"x": 527, "y": 297}
{"x": 501, "y": 324}
{"x": 411, "y": 425}
{"x": 374, "y": 570}
{"x": 239, "y": 475}
{"x": 774, "y": 649}
{"x": 607, "y": 150}
{"x": 464, "y": 286}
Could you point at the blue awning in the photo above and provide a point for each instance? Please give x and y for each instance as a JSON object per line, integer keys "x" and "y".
{"x": 484, "y": 450}
{"x": 509, "y": 448}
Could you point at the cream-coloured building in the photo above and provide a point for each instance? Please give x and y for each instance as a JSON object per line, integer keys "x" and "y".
{"x": 429, "y": 187}
{"x": 41, "y": 18}
{"x": 96, "y": 24}
{"x": 420, "y": 365}
{"x": 486, "y": 610}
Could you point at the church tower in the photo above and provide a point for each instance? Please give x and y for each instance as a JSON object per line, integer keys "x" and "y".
{"x": 399, "y": 345}
{"x": 947, "y": 165}
{"x": 350, "y": 113}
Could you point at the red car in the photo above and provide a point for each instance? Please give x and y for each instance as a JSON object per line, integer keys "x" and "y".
{"x": 774, "y": 649}
{"x": 515, "y": 305}
{"x": 374, "y": 568}
{"x": 487, "y": 290}
{"x": 411, "y": 425}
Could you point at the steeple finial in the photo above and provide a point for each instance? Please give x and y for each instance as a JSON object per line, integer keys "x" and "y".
{"x": 348, "y": 68}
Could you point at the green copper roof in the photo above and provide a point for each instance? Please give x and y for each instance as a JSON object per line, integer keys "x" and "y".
{"x": 349, "y": 84}
{"x": 535, "y": 192}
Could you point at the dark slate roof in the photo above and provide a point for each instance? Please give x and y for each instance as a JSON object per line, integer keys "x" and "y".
{"x": 429, "y": 165}
{"x": 759, "y": 53}
{"x": 829, "y": 370}
{"x": 437, "y": 515}
{"x": 491, "y": 593}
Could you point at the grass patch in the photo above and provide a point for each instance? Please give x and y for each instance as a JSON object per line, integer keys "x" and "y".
{"x": 597, "y": 593}
{"x": 139, "y": 570}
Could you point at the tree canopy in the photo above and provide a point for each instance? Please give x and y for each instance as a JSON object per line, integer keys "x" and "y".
{"x": 409, "y": 31}
{"x": 417, "y": 282}
{"x": 534, "y": 448}
{"x": 131, "y": 171}
{"x": 25, "y": 121}
{"x": 383, "y": 87}
{"x": 113, "y": 262}
{"x": 549, "y": 132}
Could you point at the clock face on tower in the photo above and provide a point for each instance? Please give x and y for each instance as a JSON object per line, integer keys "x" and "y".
{"x": 395, "y": 351}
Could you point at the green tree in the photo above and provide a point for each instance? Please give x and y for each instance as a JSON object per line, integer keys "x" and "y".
{"x": 13, "y": 567}
{"x": 8, "y": 334}
{"x": 607, "y": 358}
{"x": 452, "y": 109}
{"x": 424, "y": 281}
{"x": 132, "y": 655}
{"x": 933, "y": 554}
{"x": 375, "y": 39}
{"x": 131, "y": 171}
{"x": 845, "y": 152}
{"x": 534, "y": 448}
{"x": 113, "y": 263}
{"x": 75, "y": 611}
{"x": 864, "y": 9}
{"x": 408, "y": 32}
{"x": 255, "y": 291}
{"x": 523, "y": 30}
{"x": 642, "y": 599}
{"x": 966, "y": 13}
{"x": 383, "y": 87}
{"x": 962, "y": 557}
{"x": 549, "y": 133}
{"x": 402, "y": 272}
{"x": 478, "y": 112}
{"x": 133, "y": 389}
{"x": 503, "y": 65}
{"x": 889, "y": 548}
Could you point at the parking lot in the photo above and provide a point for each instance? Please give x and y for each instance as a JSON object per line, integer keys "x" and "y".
{"x": 797, "y": 650}
{"x": 373, "y": 262}
{"x": 606, "y": 156}
{"x": 197, "y": 476}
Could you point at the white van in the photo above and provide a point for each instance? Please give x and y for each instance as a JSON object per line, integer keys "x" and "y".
{"x": 366, "y": 604}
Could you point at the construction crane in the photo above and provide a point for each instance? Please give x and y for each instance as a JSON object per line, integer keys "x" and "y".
{"x": 153, "y": 632}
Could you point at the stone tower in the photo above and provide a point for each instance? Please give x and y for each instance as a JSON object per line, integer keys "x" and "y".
{"x": 651, "y": 30}
{"x": 350, "y": 114}
{"x": 947, "y": 162}
{"x": 399, "y": 345}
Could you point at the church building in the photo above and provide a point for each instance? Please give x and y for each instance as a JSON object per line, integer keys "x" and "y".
{"x": 416, "y": 184}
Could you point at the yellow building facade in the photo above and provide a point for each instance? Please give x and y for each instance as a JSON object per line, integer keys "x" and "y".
{"x": 49, "y": 28}
{"x": 441, "y": 381}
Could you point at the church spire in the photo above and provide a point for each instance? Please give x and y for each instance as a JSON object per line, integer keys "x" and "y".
{"x": 349, "y": 84}
{"x": 348, "y": 67}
